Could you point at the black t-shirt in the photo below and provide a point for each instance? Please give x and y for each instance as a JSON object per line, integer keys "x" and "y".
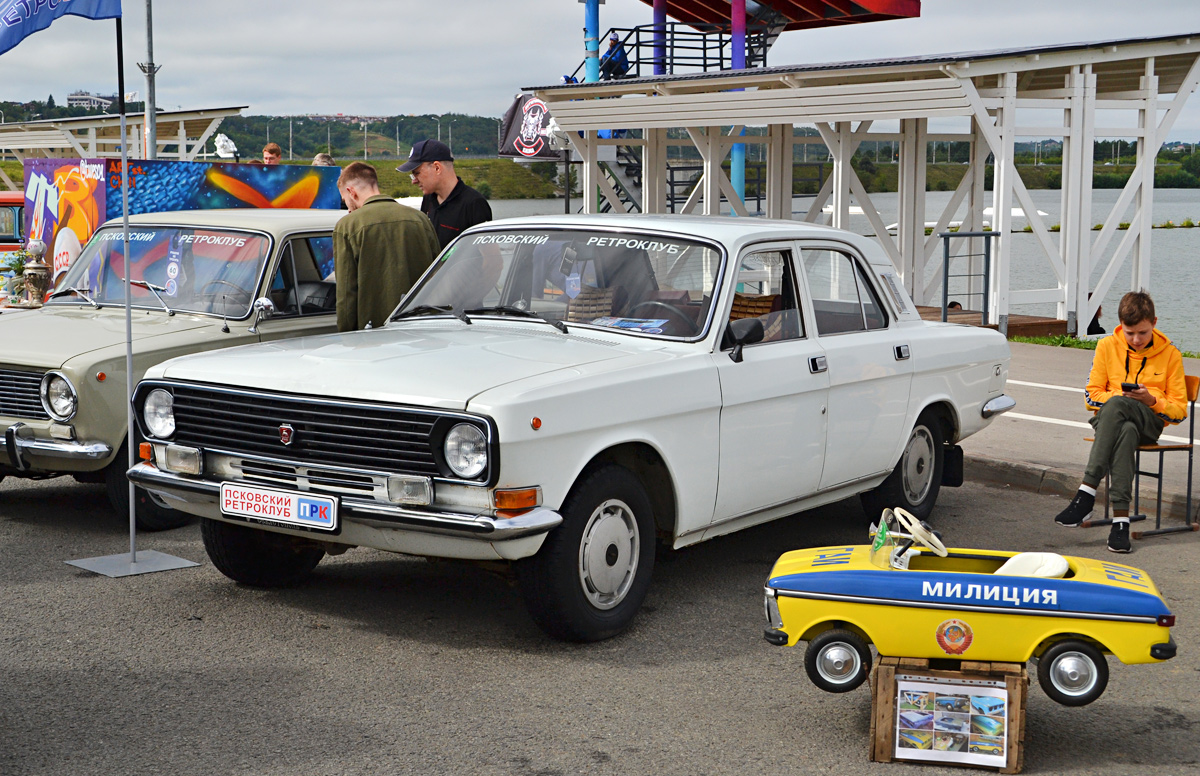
{"x": 464, "y": 208}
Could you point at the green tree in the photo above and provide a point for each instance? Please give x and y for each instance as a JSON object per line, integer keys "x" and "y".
{"x": 1191, "y": 164}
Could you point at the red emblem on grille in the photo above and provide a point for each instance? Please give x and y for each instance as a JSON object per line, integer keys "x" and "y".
{"x": 286, "y": 433}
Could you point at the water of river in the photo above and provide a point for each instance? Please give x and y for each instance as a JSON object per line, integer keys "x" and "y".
{"x": 1174, "y": 275}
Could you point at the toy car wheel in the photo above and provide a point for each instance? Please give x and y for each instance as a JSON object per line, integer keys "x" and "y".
{"x": 150, "y": 516}
{"x": 258, "y": 558}
{"x": 592, "y": 573}
{"x": 1073, "y": 673}
{"x": 915, "y": 482}
{"x": 837, "y": 661}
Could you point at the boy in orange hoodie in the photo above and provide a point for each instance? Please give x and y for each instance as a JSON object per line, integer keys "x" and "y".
{"x": 1136, "y": 387}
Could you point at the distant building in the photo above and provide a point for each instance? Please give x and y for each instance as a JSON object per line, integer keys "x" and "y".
{"x": 89, "y": 100}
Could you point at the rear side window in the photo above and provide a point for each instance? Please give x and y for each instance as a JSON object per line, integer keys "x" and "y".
{"x": 843, "y": 298}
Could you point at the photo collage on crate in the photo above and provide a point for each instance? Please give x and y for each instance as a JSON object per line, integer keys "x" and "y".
{"x": 951, "y": 723}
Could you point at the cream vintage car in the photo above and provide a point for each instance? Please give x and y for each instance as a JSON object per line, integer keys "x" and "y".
{"x": 562, "y": 393}
{"x": 199, "y": 281}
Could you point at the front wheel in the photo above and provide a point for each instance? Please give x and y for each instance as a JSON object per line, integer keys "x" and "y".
{"x": 592, "y": 573}
{"x": 915, "y": 482}
{"x": 150, "y": 516}
{"x": 1073, "y": 673}
{"x": 258, "y": 558}
{"x": 837, "y": 660}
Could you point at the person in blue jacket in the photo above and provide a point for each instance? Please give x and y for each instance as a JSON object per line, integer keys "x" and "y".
{"x": 614, "y": 63}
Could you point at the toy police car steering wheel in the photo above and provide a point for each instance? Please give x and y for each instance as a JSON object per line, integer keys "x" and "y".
{"x": 919, "y": 532}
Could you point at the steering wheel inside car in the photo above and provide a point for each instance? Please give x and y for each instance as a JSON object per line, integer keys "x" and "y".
{"x": 919, "y": 532}
{"x": 675, "y": 313}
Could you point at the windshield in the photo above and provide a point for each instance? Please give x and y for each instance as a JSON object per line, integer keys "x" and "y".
{"x": 632, "y": 282}
{"x": 191, "y": 269}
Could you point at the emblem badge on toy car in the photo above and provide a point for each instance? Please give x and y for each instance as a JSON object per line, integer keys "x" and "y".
{"x": 954, "y": 637}
{"x": 286, "y": 433}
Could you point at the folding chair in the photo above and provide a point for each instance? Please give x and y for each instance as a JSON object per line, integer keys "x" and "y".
{"x": 1193, "y": 387}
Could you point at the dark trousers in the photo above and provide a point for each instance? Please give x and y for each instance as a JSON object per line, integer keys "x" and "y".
{"x": 1121, "y": 425}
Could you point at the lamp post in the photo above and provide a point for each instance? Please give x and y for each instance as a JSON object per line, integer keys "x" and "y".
{"x": 451, "y": 129}
{"x": 364, "y": 140}
{"x": 268, "y": 132}
{"x": 439, "y": 121}
{"x": 328, "y": 144}
{"x": 289, "y": 138}
{"x": 499, "y": 135}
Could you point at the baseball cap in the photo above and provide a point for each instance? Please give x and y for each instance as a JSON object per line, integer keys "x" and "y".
{"x": 614, "y": 36}
{"x": 426, "y": 151}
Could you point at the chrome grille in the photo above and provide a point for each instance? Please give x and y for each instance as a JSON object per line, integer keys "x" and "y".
{"x": 305, "y": 478}
{"x": 20, "y": 394}
{"x": 333, "y": 434}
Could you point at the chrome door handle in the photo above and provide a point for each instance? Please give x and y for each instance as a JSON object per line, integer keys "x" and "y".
{"x": 817, "y": 364}
{"x": 902, "y": 353}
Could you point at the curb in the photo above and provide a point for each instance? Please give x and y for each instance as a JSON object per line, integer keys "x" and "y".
{"x": 1052, "y": 481}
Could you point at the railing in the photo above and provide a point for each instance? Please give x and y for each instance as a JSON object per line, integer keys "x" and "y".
{"x": 986, "y": 274}
{"x": 685, "y": 48}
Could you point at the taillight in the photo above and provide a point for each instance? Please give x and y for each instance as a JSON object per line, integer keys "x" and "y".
{"x": 1166, "y": 620}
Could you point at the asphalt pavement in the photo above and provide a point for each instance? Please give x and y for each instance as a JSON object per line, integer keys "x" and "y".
{"x": 383, "y": 664}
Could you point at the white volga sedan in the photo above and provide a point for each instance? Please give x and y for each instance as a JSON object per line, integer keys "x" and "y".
{"x": 564, "y": 392}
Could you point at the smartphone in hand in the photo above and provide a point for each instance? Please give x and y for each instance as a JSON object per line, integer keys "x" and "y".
{"x": 1127, "y": 387}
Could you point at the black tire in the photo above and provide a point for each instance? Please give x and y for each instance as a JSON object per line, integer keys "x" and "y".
{"x": 1073, "y": 672}
{"x": 150, "y": 516}
{"x": 592, "y": 573}
{"x": 258, "y": 558}
{"x": 837, "y": 660}
{"x": 915, "y": 482}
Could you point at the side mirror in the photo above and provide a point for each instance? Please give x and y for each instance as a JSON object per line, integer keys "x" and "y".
{"x": 744, "y": 331}
{"x": 264, "y": 309}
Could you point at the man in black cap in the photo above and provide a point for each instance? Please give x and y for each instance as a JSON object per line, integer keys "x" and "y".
{"x": 451, "y": 205}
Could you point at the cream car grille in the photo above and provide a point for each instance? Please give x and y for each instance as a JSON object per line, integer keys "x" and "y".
{"x": 19, "y": 394}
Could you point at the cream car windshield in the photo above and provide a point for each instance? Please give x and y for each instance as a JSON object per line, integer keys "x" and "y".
{"x": 186, "y": 269}
{"x": 646, "y": 284}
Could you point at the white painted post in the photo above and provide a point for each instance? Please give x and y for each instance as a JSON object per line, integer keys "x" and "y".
{"x": 1147, "y": 152}
{"x": 841, "y": 175}
{"x": 654, "y": 171}
{"x": 912, "y": 205}
{"x": 1071, "y": 236}
{"x": 1083, "y": 213}
{"x": 713, "y": 156}
{"x": 973, "y": 222}
{"x": 1002, "y": 197}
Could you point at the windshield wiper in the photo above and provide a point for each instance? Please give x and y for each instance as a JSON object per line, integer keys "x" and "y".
{"x": 154, "y": 290}
{"x": 431, "y": 309}
{"x": 518, "y": 311}
{"x": 81, "y": 292}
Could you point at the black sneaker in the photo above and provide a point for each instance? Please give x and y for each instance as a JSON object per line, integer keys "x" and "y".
{"x": 1118, "y": 538}
{"x": 1077, "y": 511}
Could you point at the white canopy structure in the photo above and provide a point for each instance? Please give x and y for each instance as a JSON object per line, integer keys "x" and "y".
{"x": 1003, "y": 95}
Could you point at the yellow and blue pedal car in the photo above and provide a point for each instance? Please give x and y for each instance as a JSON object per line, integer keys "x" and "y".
{"x": 910, "y": 596}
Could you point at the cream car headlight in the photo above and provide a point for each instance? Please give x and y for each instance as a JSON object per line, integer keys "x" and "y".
{"x": 58, "y": 397}
{"x": 158, "y": 412}
{"x": 466, "y": 450}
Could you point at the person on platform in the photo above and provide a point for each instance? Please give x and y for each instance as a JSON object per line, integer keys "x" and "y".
{"x": 451, "y": 205}
{"x": 614, "y": 63}
{"x": 380, "y": 250}
{"x": 1136, "y": 387}
{"x": 272, "y": 153}
{"x": 1094, "y": 327}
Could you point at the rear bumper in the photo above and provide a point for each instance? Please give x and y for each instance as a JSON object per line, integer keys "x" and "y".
{"x": 1164, "y": 651}
{"x": 202, "y": 497}
{"x": 999, "y": 405}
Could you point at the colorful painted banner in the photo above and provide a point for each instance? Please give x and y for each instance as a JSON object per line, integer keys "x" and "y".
{"x": 66, "y": 200}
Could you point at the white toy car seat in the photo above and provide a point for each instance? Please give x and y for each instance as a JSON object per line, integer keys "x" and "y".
{"x": 1035, "y": 564}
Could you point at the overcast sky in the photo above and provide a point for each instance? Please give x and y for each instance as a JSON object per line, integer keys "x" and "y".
{"x": 471, "y": 56}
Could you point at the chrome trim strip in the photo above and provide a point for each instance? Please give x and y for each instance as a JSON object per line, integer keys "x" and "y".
{"x": 992, "y": 609}
{"x": 19, "y": 441}
{"x": 484, "y": 527}
{"x": 1000, "y": 404}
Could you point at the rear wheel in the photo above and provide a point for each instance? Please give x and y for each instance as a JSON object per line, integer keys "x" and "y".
{"x": 150, "y": 515}
{"x": 915, "y": 482}
{"x": 592, "y": 573}
{"x": 837, "y": 660}
{"x": 1073, "y": 672}
{"x": 258, "y": 558}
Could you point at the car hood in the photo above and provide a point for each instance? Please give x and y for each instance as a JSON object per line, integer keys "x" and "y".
{"x": 423, "y": 364}
{"x": 51, "y": 336}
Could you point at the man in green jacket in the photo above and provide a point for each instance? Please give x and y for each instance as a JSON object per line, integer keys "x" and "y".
{"x": 380, "y": 250}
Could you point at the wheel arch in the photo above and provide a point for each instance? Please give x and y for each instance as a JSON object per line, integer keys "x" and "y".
{"x": 947, "y": 418}
{"x": 648, "y": 465}
{"x": 816, "y": 630}
{"x": 1050, "y": 641}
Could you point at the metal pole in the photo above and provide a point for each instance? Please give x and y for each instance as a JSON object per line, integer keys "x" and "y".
{"x": 439, "y": 122}
{"x": 328, "y": 144}
{"x": 737, "y": 155}
{"x": 591, "y": 41}
{"x": 364, "y": 140}
{"x": 149, "y": 68}
{"x": 289, "y": 138}
{"x": 660, "y": 42}
{"x": 130, "y": 459}
{"x": 397, "y": 139}
{"x": 945, "y": 274}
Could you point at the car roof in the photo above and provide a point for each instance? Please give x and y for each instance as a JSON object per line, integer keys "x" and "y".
{"x": 720, "y": 228}
{"x": 263, "y": 219}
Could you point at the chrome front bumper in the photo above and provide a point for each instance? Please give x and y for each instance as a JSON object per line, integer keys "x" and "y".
{"x": 19, "y": 442}
{"x": 486, "y": 528}
{"x": 1001, "y": 404}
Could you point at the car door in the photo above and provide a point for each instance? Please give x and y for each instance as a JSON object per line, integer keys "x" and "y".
{"x": 305, "y": 302}
{"x": 870, "y": 369}
{"x": 773, "y": 416}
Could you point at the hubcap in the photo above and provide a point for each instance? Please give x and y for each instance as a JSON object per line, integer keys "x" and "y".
{"x": 918, "y": 465}
{"x": 838, "y": 662}
{"x": 1073, "y": 673}
{"x": 608, "y": 555}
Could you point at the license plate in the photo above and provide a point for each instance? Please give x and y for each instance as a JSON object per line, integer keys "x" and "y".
{"x": 279, "y": 507}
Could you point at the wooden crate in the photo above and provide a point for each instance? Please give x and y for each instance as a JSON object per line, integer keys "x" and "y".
{"x": 883, "y": 704}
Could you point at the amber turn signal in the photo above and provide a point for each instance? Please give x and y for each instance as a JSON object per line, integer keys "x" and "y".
{"x": 145, "y": 451}
{"x": 518, "y": 498}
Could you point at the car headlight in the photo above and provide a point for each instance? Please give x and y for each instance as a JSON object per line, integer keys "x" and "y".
{"x": 158, "y": 412}
{"x": 466, "y": 450}
{"x": 58, "y": 397}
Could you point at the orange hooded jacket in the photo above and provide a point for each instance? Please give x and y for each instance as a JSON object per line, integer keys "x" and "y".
{"x": 1159, "y": 368}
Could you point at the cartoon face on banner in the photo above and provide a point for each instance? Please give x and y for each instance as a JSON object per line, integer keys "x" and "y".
{"x": 532, "y": 136}
{"x": 64, "y": 200}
